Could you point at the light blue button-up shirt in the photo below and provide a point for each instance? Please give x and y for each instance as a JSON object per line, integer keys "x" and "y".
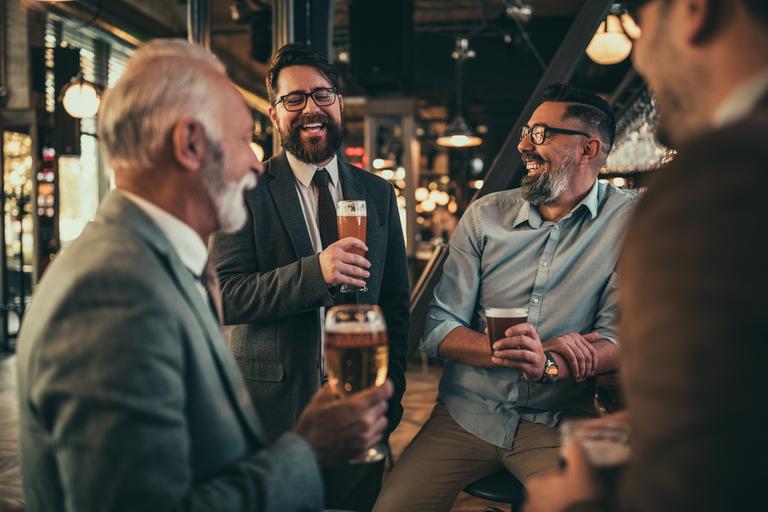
{"x": 504, "y": 255}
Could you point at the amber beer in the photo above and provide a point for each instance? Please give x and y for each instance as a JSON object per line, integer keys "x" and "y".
{"x": 356, "y": 354}
{"x": 351, "y": 218}
{"x": 501, "y": 319}
{"x": 355, "y": 360}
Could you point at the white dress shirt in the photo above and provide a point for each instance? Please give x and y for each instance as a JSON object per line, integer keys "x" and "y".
{"x": 185, "y": 241}
{"x": 742, "y": 100}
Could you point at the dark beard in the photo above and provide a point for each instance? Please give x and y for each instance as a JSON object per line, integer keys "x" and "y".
{"x": 314, "y": 151}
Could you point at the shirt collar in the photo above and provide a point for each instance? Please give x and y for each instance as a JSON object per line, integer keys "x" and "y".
{"x": 185, "y": 241}
{"x": 533, "y": 217}
{"x": 304, "y": 172}
{"x": 742, "y": 100}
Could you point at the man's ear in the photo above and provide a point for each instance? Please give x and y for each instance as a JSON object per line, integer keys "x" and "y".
{"x": 272, "y": 115}
{"x": 590, "y": 150}
{"x": 700, "y": 20}
{"x": 189, "y": 144}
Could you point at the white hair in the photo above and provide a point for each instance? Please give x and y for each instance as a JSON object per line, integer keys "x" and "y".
{"x": 164, "y": 81}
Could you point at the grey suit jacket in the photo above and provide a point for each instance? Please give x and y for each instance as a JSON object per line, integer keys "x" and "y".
{"x": 129, "y": 398}
{"x": 272, "y": 287}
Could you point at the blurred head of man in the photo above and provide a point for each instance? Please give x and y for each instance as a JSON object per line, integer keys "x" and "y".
{"x": 693, "y": 53}
{"x": 162, "y": 128}
{"x": 565, "y": 143}
{"x": 305, "y": 93}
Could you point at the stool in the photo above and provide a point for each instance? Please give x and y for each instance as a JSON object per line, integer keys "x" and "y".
{"x": 502, "y": 487}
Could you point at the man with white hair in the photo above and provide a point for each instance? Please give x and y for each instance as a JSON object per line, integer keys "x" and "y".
{"x": 129, "y": 398}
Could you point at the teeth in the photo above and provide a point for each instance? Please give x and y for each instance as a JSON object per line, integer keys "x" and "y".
{"x": 532, "y": 165}
{"x": 312, "y": 125}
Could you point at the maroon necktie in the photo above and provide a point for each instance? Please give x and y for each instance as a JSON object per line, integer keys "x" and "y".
{"x": 326, "y": 209}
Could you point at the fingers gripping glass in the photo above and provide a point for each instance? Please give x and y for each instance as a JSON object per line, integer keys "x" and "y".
{"x": 295, "y": 101}
{"x": 540, "y": 133}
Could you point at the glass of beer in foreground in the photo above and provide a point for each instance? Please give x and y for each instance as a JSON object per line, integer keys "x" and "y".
{"x": 351, "y": 218}
{"x": 356, "y": 354}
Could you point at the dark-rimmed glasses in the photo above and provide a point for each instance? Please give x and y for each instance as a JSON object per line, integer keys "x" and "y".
{"x": 295, "y": 101}
{"x": 540, "y": 133}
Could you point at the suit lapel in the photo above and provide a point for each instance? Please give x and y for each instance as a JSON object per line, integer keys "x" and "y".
{"x": 351, "y": 186}
{"x": 282, "y": 186}
{"x": 120, "y": 210}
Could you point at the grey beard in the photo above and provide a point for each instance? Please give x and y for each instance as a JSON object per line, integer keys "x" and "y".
{"x": 546, "y": 187}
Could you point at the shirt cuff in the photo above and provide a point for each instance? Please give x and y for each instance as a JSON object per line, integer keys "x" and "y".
{"x": 430, "y": 342}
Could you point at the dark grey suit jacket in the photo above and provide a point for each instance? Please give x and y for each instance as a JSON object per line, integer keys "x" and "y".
{"x": 129, "y": 397}
{"x": 695, "y": 328}
{"x": 272, "y": 287}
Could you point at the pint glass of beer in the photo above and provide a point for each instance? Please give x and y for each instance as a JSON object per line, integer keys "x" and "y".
{"x": 356, "y": 354}
{"x": 351, "y": 218}
{"x": 606, "y": 445}
{"x": 501, "y": 319}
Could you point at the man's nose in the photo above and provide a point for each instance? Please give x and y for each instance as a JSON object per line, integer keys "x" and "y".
{"x": 310, "y": 107}
{"x": 525, "y": 144}
{"x": 257, "y": 167}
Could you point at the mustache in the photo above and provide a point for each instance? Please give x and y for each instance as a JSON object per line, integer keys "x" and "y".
{"x": 530, "y": 155}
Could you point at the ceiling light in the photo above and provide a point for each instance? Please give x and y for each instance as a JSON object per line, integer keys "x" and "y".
{"x": 458, "y": 134}
{"x": 612, "y": 43}
{"x": 80, "y": 98}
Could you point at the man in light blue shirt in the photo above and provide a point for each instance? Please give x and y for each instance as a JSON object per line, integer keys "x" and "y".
{"x": 550, "y": 247}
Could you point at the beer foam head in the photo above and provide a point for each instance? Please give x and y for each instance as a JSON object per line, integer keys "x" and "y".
{"x": 506, "y": 312}
{"x": 351, "y": 209}
{"x": 359, "y": 322}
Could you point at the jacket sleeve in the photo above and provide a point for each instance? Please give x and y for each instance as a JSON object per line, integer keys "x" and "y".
{"x": 249, "y": 295}
{"x": 394, "y": 300}
{"x": 108, "y": 385}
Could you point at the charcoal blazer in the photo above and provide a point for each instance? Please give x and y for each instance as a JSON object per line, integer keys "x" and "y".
{"x": 272, "y": 289}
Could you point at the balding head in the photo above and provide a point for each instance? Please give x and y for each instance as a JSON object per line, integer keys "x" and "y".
{"x": 164, "y": 81}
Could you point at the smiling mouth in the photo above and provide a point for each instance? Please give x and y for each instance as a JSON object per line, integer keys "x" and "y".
{"x": 313, "y": 129}
{"x": 533, "y": 166}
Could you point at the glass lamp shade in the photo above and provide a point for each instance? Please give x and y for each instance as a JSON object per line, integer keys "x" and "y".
{"x": 610, "y": 45}
{"x": 458, "y": 135}
{"x": 80, "y": 98}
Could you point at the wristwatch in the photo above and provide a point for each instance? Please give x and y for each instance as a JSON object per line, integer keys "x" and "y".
{"x": 551, "y": 371}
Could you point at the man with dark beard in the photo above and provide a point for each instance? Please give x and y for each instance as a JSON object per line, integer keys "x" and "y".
{"x": 275, "y": 293}
{"x": 550, "y": 247}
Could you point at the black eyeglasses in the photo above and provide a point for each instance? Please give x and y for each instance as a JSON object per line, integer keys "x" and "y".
{"x": 540, "y": 133}
{"x": 295, "y": 101}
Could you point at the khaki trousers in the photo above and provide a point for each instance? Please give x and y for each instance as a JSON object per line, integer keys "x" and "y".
{"x": 444, "y": 458}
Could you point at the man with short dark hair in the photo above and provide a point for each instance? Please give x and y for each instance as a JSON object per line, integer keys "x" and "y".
{"x": 275, "y": 294}
{"x": 694, "y": 324}
{"x": 551, "y": 247}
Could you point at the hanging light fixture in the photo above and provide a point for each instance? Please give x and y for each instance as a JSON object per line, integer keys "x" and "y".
{"x": 80, "y": 98}
{"x": 458, "y": 134}
{"x": 612, "y": 43}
